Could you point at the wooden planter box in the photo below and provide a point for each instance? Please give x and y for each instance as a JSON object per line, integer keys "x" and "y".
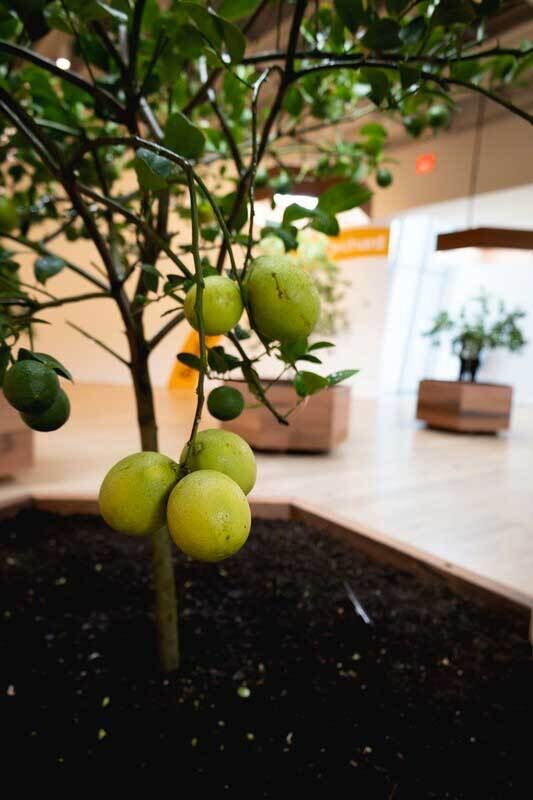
{"x": 318, "y": 425}
{"x": 16, "y": 441}
{"x": 465, "y": 407}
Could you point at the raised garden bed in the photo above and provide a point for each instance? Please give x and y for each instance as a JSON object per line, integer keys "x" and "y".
{"x": 282, "y": 682}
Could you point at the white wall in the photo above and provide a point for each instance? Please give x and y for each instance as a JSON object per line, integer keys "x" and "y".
{"x": 424, "y": 282}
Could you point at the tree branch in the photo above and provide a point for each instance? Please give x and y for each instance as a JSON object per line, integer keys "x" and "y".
{"x": 99, "y": 95}
{"x": 160, "y": 335}
{"x": 260, "y": 391}
{"x": 99, "y": 342}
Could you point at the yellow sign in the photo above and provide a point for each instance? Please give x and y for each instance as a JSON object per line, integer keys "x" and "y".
{"x": 359, "y": 243}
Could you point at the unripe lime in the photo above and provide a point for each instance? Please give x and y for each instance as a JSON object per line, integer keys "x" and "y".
{"x": 225, "y": 402}
{"x": 383, "y": 177}
{"x": 221, "y": 302}
{"x": 438, "y": 115}
{"x": 283, "y": 299}
{"x": 52, "y": 418}
{"x": 30, "y": 386}
{"x": 134, "y": 493}
{"x": 226, "y": 452}
{"x": 208, "y": 516}
{"x": 414, "y": 125}
{"x": 9, "y": 216}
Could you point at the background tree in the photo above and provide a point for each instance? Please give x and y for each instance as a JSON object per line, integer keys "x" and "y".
{"x": 174, "y": 91}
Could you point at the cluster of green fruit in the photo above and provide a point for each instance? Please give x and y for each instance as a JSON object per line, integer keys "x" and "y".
{"x": 201, "y": 500}
{"x": 283, "y": 304}
{"x": 32, "y": 387}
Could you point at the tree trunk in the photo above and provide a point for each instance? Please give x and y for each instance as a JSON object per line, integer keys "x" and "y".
{"x": 166, "y": 607}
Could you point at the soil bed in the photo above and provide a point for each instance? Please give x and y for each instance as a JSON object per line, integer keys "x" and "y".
{"x": 282, "y": 683}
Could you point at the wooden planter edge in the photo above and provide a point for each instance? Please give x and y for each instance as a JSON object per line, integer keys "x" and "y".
{"x": 376, "y": 546}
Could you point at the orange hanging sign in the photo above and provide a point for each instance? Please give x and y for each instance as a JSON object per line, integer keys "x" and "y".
{"x": 359, "y": 243}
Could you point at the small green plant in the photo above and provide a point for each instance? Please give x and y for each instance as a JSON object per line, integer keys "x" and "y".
{"x": 479, "y": 327}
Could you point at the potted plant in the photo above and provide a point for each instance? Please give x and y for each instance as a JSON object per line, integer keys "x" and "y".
{"x": 466, "y": 405}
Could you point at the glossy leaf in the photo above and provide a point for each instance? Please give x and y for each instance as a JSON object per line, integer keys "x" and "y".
{"x": 189, "y": 360}
{"x": 342, "y": 375}
{"x": 237, "y": 9}
{"x": 183, "y": 137}
{"x": 44, "y": 358}
{"x": 308, "y": 383}
{"x": 46, "y": 267}
{"x": 352, "y": 13}
{"x": 343, "y": 197}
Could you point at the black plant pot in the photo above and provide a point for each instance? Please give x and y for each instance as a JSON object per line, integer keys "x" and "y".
{"x": 469, "y": 368}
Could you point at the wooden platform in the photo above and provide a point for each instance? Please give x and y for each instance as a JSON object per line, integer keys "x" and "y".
{"x": 465, "y": 505}
{"x": 465, "y": 407}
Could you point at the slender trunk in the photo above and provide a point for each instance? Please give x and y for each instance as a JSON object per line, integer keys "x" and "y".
{"x": 166, "y": 607}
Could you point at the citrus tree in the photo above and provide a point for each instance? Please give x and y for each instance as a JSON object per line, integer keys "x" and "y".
{"x": 149, "y": 143}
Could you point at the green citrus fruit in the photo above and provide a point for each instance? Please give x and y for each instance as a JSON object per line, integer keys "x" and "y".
{"x": 9, "y": 216}
{"x": 225, "y": 402}
{"x": 414, "y": 125}
{"x": 223, "y": 451}
{"x": 383, "y": 177}
{"x": 53, "y": 417}
{"x": 222, "y": 305}
{"x": 208, "y": 516}
{"x": 30, "y": 386}
{"x": 283, "y": 299}
{"x": 438, "y": 115}
{"x": 134, "y": 493}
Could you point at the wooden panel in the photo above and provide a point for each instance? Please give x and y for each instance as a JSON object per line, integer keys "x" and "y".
{"x": 465, "y": 407}
{"x": 317, "y": 425}
{"x": 16, "y": 452}
{"x": 508, "y": 238}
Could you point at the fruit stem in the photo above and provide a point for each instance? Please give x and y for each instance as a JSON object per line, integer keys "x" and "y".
{"x": 199, "y": 312}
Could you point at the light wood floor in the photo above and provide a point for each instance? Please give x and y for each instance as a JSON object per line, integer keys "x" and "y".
{"x": 467, "y": 500}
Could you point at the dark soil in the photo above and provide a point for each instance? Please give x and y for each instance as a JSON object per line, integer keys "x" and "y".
{"x": 282, "y": 686}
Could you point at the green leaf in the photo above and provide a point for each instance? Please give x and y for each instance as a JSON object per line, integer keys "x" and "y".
{"x": 337, "y": 377}
{"x": 47, "y": 360}
{"x": 321, "y": 345}
{"x": 409, "y": 77}
{"x": 294, "y": 212}
{"x": 153, "y": 171}
{"x": 220, "y": 361}
{"x": 352, "y": 13}
{"x": 413, "y": 32}
{"x": 382, "y": 35}
{"x": 307, "y": 383}
{"x": 237, "y": 9}
{"x": 374, "y": 130}
{"x": 343, "y": 196}
{"x": 290, "y": 352}
{"x": 453, "y": 12}
{"x": 190, "y": 360}
{"x": 396, "y": 7}
{"x": 150, "y": 277}
{"x": 241, "y": 333}
{"x": 293, "y": 101}
{"x": 311, "y": 358}
{"x": 325, "y": 222}
{"x": 4, "y": 361}
{"x": 378, "y": 82}
{"x": 46, "y": 267}
{"x": 183, "y": 137}
{"x": 286, "y": 234}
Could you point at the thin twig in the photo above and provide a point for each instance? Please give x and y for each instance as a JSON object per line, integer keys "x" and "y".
{"x": 99, "y": 342}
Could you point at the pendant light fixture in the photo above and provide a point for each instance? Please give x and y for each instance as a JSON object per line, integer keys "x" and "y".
{"x": 484, "y": 237}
